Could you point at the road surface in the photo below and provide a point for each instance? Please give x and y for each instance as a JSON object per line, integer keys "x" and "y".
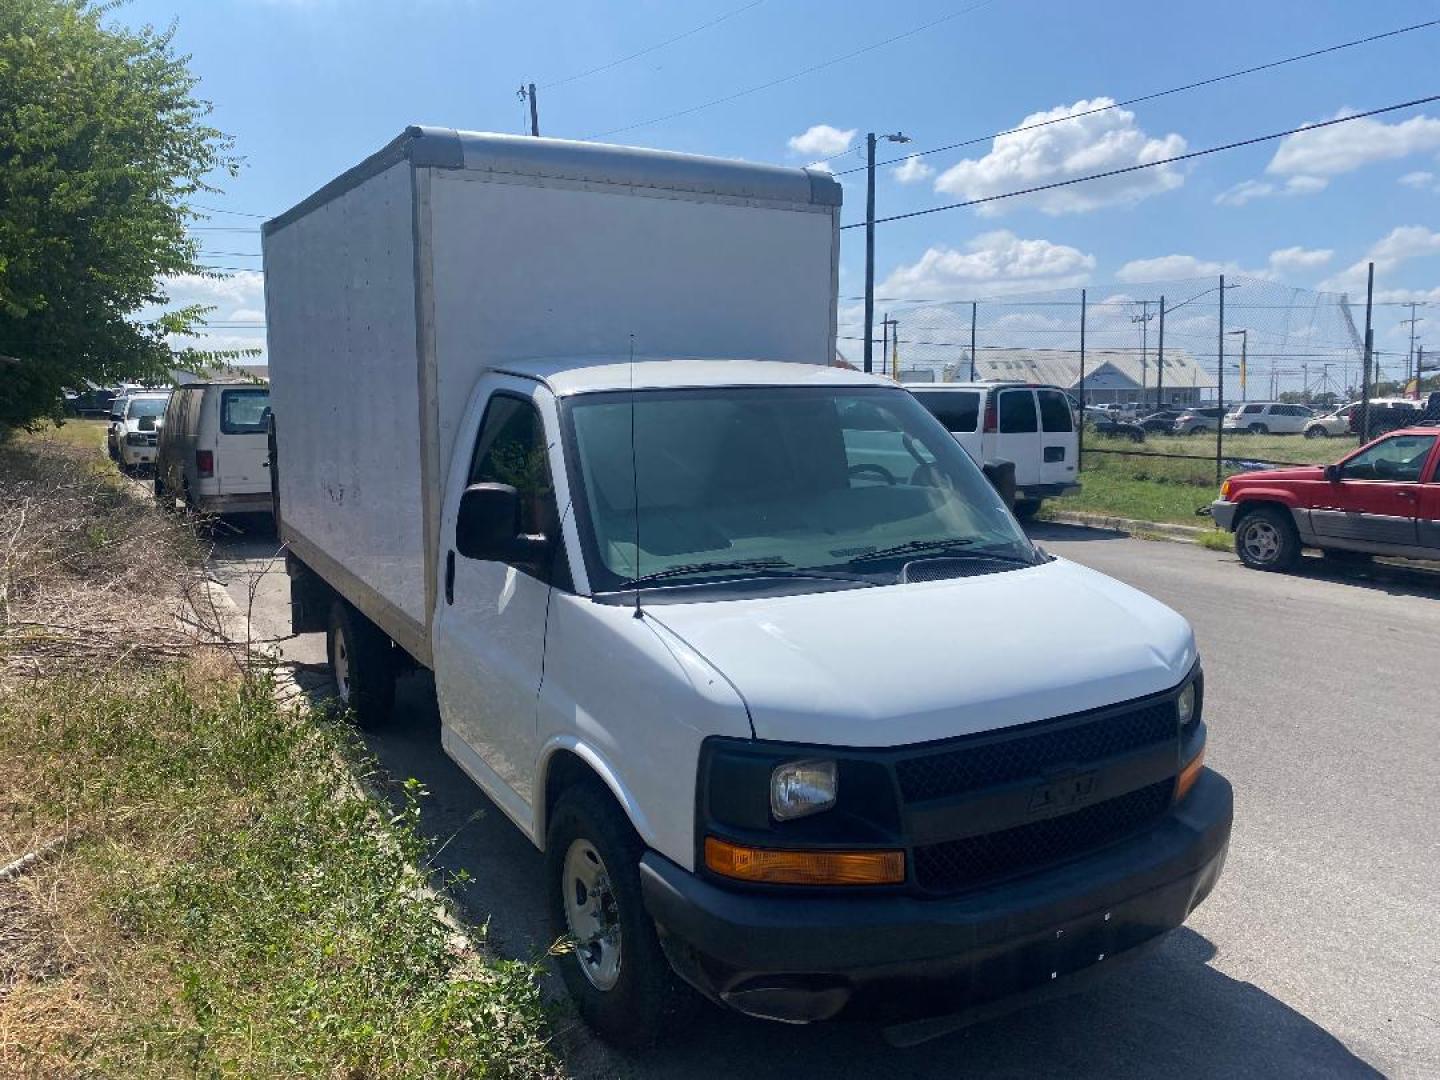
{"x": 1317, "y": 955}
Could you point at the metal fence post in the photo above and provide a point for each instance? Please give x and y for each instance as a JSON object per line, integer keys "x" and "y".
{"x": 1365, "y": 364}
{"x": 1160, "y": 360}
{"x": 1220, "y": 386}
{"x": 973, "y": 308}
{"x": 1080, "y": 441}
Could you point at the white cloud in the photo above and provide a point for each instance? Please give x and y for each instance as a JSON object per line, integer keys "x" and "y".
{"x": 1166, "y": 267}
{"x": 1066, "y": 149}
{"x": 995, "y": 262}
{"x": 822, "y": 140}
{"x": 1420, "y": 180}
{"x": 913, "y": 170}
{"x": 1342, "y": 148}
{"x": 1299, "y": 258}
{"x": 236, "y": 298}
{"x": 1396, "y": 247}
{"x": 1249, "y": 190}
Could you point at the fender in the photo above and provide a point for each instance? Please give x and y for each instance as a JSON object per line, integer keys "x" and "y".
{"x": 1266, "y": 494}
{"x": 603, "y": 769}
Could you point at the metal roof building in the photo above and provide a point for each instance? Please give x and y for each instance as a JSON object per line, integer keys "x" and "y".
{"x": 1110, "y": 375}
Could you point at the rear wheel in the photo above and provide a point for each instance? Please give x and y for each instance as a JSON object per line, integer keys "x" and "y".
{"x": 361, "y": 660}
{"x": 615, "y": 970}
{"x": 1258, "y": 429}
{"x": 1266, "y": 539}
{"x": 1316, "y": 432}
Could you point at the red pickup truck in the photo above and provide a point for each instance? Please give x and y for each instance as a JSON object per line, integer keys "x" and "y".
{"x": 1382, "y": 499}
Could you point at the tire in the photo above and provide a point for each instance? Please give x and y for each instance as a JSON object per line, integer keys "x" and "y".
{"x": 1316, "y": 432}
{"x": 621, "y": 982}
{"x": 1265, "y": 539}
{"x": 1258, "y": 429}
{"x": 360, "y": 659}
{"x": 1026, "y": 509}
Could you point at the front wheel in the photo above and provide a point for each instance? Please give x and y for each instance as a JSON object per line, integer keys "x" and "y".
{"x": 614, "y": 967}
{"x": 1258, "y": 429}
{"x": 362, "y": 661}
{"x": 1266, "y": 539}
{"x": 1316, "y": 433}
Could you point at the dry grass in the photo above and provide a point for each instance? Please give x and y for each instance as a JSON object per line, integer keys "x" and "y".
{"x": 214, "y": 892}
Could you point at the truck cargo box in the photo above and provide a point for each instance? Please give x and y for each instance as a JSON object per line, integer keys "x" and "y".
{"x": 393, "y": 287}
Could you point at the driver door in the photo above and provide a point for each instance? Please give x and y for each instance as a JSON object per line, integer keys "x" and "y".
{"x": 1376, "y": 499}
{"x": 488, "y": 639}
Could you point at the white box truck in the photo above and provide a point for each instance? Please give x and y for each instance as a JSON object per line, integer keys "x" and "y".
{"x": 744, "y": 642}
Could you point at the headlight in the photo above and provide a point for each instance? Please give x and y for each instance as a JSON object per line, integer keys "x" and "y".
{"x": 1185, "y": 704}
{"x": 801, "y": 788}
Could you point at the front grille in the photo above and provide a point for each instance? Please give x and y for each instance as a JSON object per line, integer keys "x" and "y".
{"x": 1020, "y": 756}
{"x": 977, "y": 860}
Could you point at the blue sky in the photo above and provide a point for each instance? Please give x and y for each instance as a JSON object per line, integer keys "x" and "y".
{"x": 309, "y": 87}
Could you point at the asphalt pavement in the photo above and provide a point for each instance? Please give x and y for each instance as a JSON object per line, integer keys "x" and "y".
{"x": 1317, "y": 955}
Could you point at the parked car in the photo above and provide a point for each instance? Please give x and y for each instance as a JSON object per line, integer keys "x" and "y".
{"x": 1382, "y": 499}
{"x": 1198, "y": 420}
{"x": 133, "y": 433}
{"x": 1268, "y": 418}
{"x": 1031, "y": 426}
{"x": 1386, "y": 414}
{"x": 1120, "y": 429}
{"x": 213, "y": 448}
{"x": 1160, "y": 423}
{"x": 1330, "y": 424}
{"x": 749, "y": 649}
{"x": 94, "y": 402}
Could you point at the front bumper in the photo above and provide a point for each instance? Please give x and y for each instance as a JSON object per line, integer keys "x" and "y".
{"x": 1223, "y": 512}
{"x": 800, "y": 958}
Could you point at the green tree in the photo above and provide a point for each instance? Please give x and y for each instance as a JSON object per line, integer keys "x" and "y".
{"x": 102, "y": 143}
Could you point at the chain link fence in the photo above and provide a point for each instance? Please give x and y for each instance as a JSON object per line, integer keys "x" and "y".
{"x": 1192, "y": 347}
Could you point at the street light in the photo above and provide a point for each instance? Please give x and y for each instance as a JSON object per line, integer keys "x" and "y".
{"x": 1244, "y": 340}
{"x": 870, "y": 139}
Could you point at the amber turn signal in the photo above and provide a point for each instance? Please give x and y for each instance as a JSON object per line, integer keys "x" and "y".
{"x": 1188, "y": 775}
{"x": 773, "y": 867}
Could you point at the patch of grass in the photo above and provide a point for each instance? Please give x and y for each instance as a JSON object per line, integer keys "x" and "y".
{"x": 1170, "y": 489}
{"x": 231, "y": 902}
{"x": 1216, "y": 540}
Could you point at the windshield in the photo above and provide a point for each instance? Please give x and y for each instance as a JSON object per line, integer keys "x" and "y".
{"x": 146, "y": 407}
{"x": 245, "y": 412}
{"x": 779, "y": 480}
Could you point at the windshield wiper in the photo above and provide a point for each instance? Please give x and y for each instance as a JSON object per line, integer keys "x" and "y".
{"x": 951, "y": 546}
{"x": 710, "y": 568}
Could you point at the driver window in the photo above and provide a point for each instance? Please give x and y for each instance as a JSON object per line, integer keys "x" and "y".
{"x": 1398, "y": 460}
{"x": 511, "y": 449}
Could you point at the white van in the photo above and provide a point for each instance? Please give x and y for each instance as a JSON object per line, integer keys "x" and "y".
{"x": 745, "y": 644}
{"x": 213, "y": 450}
{"x": 1031, "y": 426}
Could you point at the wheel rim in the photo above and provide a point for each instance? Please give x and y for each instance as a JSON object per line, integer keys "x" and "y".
{"x": 340, "y": 664}
{"x": 1261, "y": 541}
{"x": 591, "y": 914}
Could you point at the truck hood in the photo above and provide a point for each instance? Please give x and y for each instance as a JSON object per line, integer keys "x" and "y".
{"x": 910, "y": 663}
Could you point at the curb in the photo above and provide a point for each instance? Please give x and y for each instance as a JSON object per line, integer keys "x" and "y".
{"x": 1184, "y": 533}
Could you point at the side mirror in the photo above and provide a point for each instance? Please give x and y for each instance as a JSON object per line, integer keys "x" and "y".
{"x": 1332, "y": 473}
{"x": 487, "y": 527}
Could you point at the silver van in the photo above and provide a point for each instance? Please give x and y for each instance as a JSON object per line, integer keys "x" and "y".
{"x": 213, "y": 448}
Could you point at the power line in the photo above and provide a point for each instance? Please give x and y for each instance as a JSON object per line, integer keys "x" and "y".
{"x": 1144, "y": 97}
{"x": 1149, "y": 164}
{"x": 653, "y": 48}
{"x": 217, "y": 210}
{"x": 794, "y": 75}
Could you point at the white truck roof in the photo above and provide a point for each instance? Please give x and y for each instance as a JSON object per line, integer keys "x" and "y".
{"x": 564, "y": 376}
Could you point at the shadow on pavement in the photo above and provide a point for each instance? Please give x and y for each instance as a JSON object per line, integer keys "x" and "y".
{"x": 1166, "y": 1013}
{"x": 1053, "y": 530}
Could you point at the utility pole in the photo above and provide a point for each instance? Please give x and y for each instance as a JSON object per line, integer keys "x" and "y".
{"x": 1365, "y": 359}
{"x": 1244, "y": 373}
{"x": 1160, "y": 361}
{"x": 1410, "y": 363}
{"x": 870, "y": 138}
{"x": 1305, "y": 381}
{"x": 1144, "y": 320}
{"x": 885, "y": 324}
{"x": 1220, "y": 385}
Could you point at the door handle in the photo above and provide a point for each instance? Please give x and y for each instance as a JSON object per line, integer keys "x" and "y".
{"x": 450, "y": 577}
{"x": 1405, "y": 493}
